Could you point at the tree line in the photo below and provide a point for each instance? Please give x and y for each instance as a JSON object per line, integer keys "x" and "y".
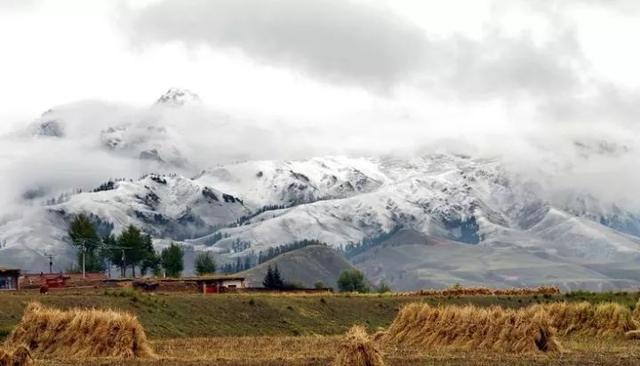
{"x": 133, "y": 249}
{"x": 129, "y": 250}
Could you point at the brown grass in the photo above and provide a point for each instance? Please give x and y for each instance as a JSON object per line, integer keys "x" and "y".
{"x": 321, "y": 350}
{"x": 473, "y": 328}
{"x": 19, "y": 357}
{"x": 586, "y": 319}
{"x": 357, "y": 349}
{"x": 483, "y": 291}
{"x": 80, "y": 333}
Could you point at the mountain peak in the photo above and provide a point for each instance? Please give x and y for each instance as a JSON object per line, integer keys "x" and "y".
{"x": 178, "y": 97}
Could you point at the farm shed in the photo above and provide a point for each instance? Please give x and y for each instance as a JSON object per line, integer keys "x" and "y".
{"x": 216, "y": 284}
{"x": 207, "y": 285}
{"x": 9, "y": 279}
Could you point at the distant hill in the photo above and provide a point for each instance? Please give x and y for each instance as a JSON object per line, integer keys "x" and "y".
{"x": 306, "y": 266}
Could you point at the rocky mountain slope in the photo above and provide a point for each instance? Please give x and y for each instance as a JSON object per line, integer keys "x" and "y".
{"x": 489, "y": 219}
{"x": 487, "y": 215}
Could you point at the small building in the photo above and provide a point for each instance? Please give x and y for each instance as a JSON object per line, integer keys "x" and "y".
{"x": 206, "y": 284}
{"x": 217, "y": 284}
{"x": 9, "y": 279}
{"x": 50, "y": 280}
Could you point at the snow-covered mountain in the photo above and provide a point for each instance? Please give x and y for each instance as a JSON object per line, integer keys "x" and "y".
{"x": 429, "y": 220}
{"x": 150, "y": 135}
{"x": 476, "y": 210}
{"x": 164, "y": 206}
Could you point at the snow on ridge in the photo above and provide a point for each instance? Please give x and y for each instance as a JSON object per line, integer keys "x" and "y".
{"x": 176, "y": 97}
{"x": 343, "y": 200}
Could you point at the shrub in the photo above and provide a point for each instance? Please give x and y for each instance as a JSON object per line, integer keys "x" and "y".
{"x": 352, "y": 281}
{"x": 205, "y": 263}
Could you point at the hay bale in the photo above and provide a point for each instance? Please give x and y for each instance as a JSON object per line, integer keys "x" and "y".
{"x": 357, "y": 349}
{"x": 5, "y": 358}
{"x": 472, "y": 328}
{"x": 636, "y": 312}
{"x": 378, "y": 336}
{"x": 19, "y": 357}
{"x": 80, "y": 333}
{"x": 586, "y": 319}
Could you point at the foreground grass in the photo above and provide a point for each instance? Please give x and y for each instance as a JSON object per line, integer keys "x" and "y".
{"x": 168, "y": 316}
{"x": 320, "y": 350}
{"x": 265, "y": 329}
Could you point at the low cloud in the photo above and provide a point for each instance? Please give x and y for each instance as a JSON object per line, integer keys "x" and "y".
{"x": 331, "y": 39}
{"x": 557, "y": 115}
{"x": 357, "y": 43}
{"x": 562, "y": 157}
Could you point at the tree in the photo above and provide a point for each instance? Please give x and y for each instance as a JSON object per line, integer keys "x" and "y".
{"x": 83, "y": 236}
{"x": 383, "y": 287}
{"x": 205, "y": 263}
{"x": 247, "y": 263}
{"x": 352, "y": 281}
{"x": 273, "y": 280}
{"x": 135, "y": 248}
{"x": 111, "y": 252}
{"x": 172, "y": 260}
{"x": 277, "y": 278}
{"x": 150, "y": 260}
{"x": 268, "y": 278}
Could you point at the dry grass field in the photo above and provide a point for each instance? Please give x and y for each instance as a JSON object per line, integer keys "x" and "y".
{"x": 309, "y": 330}
{"x": 320, "y": 350}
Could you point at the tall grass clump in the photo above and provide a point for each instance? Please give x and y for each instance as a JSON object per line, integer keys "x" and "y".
{"x": 357, "y": 349}
{"x": 80, "y": 333}
{"x": 473, "y": 328}
{"x": 586, "y": 319}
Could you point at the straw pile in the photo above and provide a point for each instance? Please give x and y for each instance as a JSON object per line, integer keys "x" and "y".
{"x": 483, "y": 291}
{"x": 636, "y": 312}
{"x": 586, "y": 319}
{"x": 357, "y": 349}
{"x": 635, "y": 317}
{"x": 19, "y": 357}
{"x": 80, "y": 333}
{"x": 473, "y": 328}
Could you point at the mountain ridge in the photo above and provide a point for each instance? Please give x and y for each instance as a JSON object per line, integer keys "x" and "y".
{"x": 239, "y": 210}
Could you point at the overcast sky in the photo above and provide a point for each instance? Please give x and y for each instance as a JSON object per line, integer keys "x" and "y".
{"x": 296, "y": 78}
{"x": 443, "y": 65}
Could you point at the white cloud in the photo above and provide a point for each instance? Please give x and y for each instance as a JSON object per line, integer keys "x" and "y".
{"x": 333, "y": 39}
{"x": 295, "y": 78}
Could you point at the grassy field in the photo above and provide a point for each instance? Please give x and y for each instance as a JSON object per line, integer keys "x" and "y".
{"x": 264, "y": 329}
{"x": 320, "y": 350}
{"x": 194, "y": 315}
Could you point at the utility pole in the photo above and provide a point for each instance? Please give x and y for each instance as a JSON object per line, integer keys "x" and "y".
{"x": 84, "y": 254}
{"x": 124, "y": 267}
{"x": 50, "y": 256}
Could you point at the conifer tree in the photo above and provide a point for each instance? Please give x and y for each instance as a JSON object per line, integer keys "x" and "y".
{"x": 268, "y": 281}
{"x": 277, "y": 278}
{"x": 84, "y": 237}
{"x": 172, "y": 260}
{"x": 205, "y": 263}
